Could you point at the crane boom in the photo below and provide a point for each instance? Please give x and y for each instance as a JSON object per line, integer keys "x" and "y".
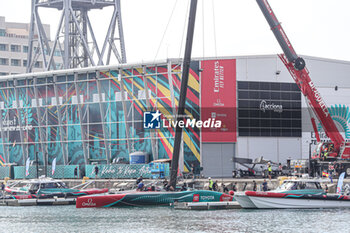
{"x": 296, "y": 67}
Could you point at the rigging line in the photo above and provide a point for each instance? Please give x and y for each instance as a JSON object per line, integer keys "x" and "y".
{"x": 166, "y": 28}
{"x": 212, "y": 3}
{"x": 184, "y": 27}
{"x": 203, "y": 29}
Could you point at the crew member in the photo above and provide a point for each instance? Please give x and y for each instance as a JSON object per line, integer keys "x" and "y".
{"x": 325, "y": 154}
{"x": 165, "y": 183}
{"x": 139, "y": 179}
{"x": 264, "y": 186}
{"x": 254, "y": 185}
{"x": 211, "y": 184}
{"x": 269, "y": 170}
{"x": 2, "y": 188}
{"x": 96, "y": 171}
{"x": 224, "y": 188}
{"x": 184, "y": 187}
{"x": 140, "y": 186}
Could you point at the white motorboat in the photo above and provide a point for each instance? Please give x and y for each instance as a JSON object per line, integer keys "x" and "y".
{"x": 291, "y": 186}
{"x": 244, "y": 200}
{"x": 271, "y": 200}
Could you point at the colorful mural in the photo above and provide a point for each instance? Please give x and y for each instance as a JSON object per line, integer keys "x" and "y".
{"x": 79, "y": 117}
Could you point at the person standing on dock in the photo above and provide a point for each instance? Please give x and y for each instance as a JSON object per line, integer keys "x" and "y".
{"x": 140, "y": 186}
{"x": 2, "y": 189}
{"x": 96, "y": 171}
{"x": 224, "y": 188}
{"x": 165, "y": 183}
{"x": 76, "y": 172}
{"x": 280, "y": 168}
{"x": 211, "y": 184}
{"x": 245, "y": 186}
{"x": 234, "y": 187}
{"x": 140, "y": 179}
{"x": 192, "y": 171}
{"x": 254, "y": 185}
{"x": 269, "y": 170}
{"x": 264, "y": 185}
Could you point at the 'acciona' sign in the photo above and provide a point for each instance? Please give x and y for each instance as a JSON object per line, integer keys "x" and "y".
{"x": 264, "y": 106}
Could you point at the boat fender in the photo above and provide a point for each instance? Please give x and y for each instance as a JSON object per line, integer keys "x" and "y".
{"x": 85, "y": 178}
{"x": 6, "y": 179}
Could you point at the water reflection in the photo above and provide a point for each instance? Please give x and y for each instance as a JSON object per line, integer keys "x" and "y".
{"x": 164, "y": 219}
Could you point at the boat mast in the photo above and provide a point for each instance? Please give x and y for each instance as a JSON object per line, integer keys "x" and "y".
{"x": 37, "y": 165}
{"x": 183, "y": 92}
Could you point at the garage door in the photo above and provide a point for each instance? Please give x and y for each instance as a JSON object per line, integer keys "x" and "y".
{"x": 217, "y": 159}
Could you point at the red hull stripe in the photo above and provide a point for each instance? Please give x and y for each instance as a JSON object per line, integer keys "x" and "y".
{"x": 98, "y": 201}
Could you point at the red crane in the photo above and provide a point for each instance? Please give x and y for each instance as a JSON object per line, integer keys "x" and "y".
{"x": 338, "y": 148}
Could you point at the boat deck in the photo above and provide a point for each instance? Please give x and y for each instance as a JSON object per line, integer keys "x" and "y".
{"x": 206, "y": 205}
{"x": 37, "y": 202}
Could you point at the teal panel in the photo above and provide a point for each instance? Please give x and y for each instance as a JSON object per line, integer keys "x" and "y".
{"x": 4, "y": 172}
{"x": 62, "y": 171}
{"x": 20, "y": 171}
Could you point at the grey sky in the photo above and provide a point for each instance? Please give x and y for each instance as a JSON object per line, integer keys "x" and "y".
{"x": 315, "y": 27}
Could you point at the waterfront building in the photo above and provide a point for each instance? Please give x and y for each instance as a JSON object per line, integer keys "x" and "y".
{"x": 96, "y": 115}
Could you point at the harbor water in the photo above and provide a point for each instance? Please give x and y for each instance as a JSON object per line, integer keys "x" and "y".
{"x": 165, "y": 219}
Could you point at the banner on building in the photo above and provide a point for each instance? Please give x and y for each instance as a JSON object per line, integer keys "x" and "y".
{"x": 53, "y": 166}
{"x": 269, "y": 109}
{"x": 27, "y": 166}
{"x": 218, "y": 99}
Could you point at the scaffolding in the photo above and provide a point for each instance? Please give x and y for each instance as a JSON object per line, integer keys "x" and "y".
{"x": 75, "y": 40}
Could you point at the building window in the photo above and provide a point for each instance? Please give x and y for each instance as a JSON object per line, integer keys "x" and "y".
{"x": 25, "y": 49}
{"x": 15, "y": 48}
{"x": 25, "y": 63}
{"x": 142, "y": 94}
{"x": 4, "y": 61}
{"x": 3, "y": 74}
{"x": 54, "y": 100}
{"x": 96, "y": 97}
{"x": 57, "y": 53}
{"x": 75, "y": 99}
{"x": 58, "y": 66}
{"x": 4, "y": 47}
{"x": 15, "y": 62}
{"x": 118, "y": 96}
{"x": 2, "y": 32}
{"x": 38, "y": 64}
{"x": 34, "y": 104}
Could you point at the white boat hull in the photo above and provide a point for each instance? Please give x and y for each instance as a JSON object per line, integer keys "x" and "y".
{"x": 295, "y": 203}
{"x": 244, "y": 201}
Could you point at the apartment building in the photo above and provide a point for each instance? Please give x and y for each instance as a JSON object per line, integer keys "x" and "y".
{"x": 14, "y": 48}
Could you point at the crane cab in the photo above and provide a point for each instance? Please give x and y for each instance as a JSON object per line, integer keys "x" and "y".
{"x": 324, "y": 151}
